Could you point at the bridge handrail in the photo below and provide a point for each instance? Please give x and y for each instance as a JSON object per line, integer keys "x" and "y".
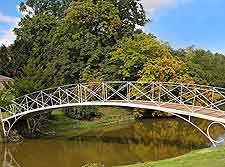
{"x": 117, "y": 82}
{"x": 186, "y": 92}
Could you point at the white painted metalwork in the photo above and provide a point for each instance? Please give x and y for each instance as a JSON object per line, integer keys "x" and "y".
{"x": 6, "y": 157}
{"x": 178, "y": 99}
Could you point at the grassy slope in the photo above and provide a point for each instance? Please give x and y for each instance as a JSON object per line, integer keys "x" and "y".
{"x": 211, "y": 157}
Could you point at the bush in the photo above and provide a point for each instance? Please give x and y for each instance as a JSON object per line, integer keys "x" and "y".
{"x": 83, "y": 113}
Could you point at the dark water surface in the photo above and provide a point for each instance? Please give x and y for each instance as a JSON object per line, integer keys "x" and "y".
{"x": 139, "y": 141}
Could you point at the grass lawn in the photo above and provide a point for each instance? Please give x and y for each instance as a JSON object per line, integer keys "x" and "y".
{"x": 210, "y": 157}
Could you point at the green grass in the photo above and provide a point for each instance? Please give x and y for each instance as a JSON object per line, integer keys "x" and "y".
{"x": 64, "y": 126}
{"x": 211, "y": 157}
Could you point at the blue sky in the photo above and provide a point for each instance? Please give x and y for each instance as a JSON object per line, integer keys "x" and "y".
{"x": 182, "y": 23}
{"x": 9, "y": 17}
{"x": 193, "y": 22}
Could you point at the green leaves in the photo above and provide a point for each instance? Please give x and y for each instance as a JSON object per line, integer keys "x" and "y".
{"x": 31, "y": 79}
{"x": 101, "y": 19}
{"x": 36, "y": 75}
{"x": 6, "y": 95}
{"x": 51, "y": 7}
{"x": 204, "y": 66}
{"x": 130, "y": 55}
{"x": 165, "y": 69}
{"x": 72, "y": 40}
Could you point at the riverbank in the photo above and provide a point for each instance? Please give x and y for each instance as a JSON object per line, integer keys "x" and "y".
{"x": 210, "y": 157}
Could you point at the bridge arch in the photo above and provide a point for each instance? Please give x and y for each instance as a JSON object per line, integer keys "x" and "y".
{"x": 178, "y": 99}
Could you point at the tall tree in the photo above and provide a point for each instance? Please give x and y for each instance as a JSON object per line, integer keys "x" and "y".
{"x": 204, "y": 66}
{"x": 130, "y": 55}
{"x": 50, "y": 7}
{"x": 6, "y": 61}
{"x": 132, "y": 14}
{"x": 83, "y": 31}
{"x": 165, "y": 69}
{"x": 36, "y": 76}
{"x": 87, "y": 35}
{"x": 33, "y": 35}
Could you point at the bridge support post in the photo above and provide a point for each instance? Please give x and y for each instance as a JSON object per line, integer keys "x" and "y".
{"x": 128, "y": 92}
{"x": 2, "y": 128}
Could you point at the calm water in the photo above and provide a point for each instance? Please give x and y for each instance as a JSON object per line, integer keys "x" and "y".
{"x": 129, "y": 143}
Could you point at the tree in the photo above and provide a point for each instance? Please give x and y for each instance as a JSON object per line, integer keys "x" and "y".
{"x": 6, "y": 96}
{"x": 132, "y": 14}
{"x": 101, "y": 19}
{"x": 130, "y": 55}
{"x": 204, "y": 66}
{"x": 83, "y": 32}
{"x": 33, "y": 35}
{"x": 6, "y": 61}
{"x": 86, "y": 37}
{"x": 50, "y": 7}
{"x": 165, "y": 69}
{"x": 36, "y": 76}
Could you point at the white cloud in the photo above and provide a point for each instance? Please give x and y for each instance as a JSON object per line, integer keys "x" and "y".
{"x": 154, "y": 4}
{"x": 29, "y": 11}
{"x": 150, "y": 5}
{"x": 7, "y": 36}
{"x": 8, "y": 19}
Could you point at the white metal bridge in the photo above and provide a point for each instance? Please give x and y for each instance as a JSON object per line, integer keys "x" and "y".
{"x": 182, "y": 100}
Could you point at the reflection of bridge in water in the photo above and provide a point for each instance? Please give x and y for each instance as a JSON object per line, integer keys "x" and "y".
{"x": 155, "y": 139}
{"x": 6, "y": 157}
{"x": 182, "y": 100}
{"x": 154, "y": 132}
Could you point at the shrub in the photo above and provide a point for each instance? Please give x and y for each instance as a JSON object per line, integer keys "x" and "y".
{"x": 82, "y": 113}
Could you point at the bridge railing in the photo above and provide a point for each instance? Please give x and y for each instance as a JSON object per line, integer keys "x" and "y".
{"x": 192, "y": 97}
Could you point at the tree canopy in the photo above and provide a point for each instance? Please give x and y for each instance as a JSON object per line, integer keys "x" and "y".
{"x": 69, "y": 41}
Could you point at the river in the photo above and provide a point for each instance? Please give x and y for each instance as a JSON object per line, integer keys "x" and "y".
{"x": 128, "y": 143}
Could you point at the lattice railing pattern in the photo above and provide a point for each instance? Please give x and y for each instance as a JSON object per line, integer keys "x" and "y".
{"x": 193, "y": 97}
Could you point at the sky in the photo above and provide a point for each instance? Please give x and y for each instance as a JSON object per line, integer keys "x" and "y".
{"x": 182, "y": 23}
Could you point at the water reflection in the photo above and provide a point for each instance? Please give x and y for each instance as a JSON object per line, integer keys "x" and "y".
{"x": 221, "y": 140}
{"x": 118, "y": 145}
{"x": 7, "y": 159}
{"x": 171, "y": 131}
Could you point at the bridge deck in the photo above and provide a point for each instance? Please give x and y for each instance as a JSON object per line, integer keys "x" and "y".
{"x": 195, "y": 111}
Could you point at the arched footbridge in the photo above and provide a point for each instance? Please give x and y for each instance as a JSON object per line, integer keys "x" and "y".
{"x": 182, "y": 100}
